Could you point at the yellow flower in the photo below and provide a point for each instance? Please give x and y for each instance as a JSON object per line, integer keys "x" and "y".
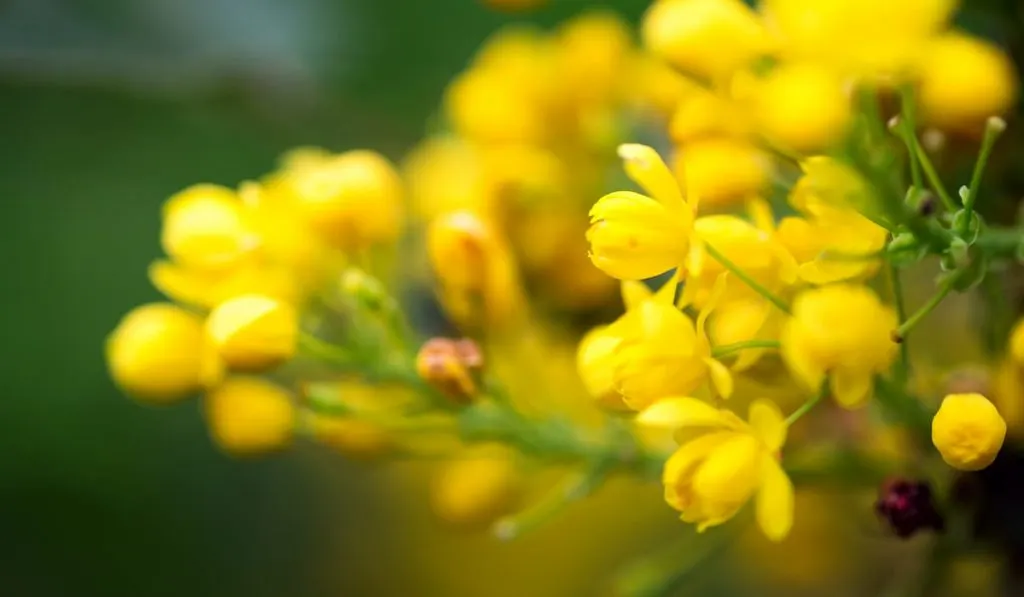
{"x": 842, "y": 331}
{"x": 874, "y": 38}
{"x": 662, "y": 353}
{"x": 485, "y": 104}
{"x": 590, "y": 55}
{"x": 248, "y": 416}
{"x": 204, "y": 227}
{"x": 803, "y": 107}
{"x": 157, "y": 354}
{"x": 352, "y": 200}
{"x": 634, "y": 236}
{"x": 477, "y": 490}
{"x": 657, "y": 86}
{"x": 968, "y": 431}
{"x": 703, "y": 114}
{"x": 445, "y": 174}
{"x": 723, "y": 171}
{"x": 833, "y": 242}
{"x": 208, "y": 289}
{"x": 964, "y": 80}
{"x": 707, "y": 38}
{"x": 475, "y": 270}
{"x": 722, "y": 461}
{"x": 253, "y": 332}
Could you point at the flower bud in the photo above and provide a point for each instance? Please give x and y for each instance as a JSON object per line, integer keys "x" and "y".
{"x": 158, "y": 354}
{"x": 253, "y": 332}
{"x": 596, "y": 362}
{"x": 968, "y": 431}
{"x": 353, "y": 200}
{"x": 723, "y": 171}
{"x": 204, "y": 228}
{"x": 249, "y": 415}
{"x": 474, "y": 492}
{"x": 907, "y": 507}
{"x": 450, "y": 365}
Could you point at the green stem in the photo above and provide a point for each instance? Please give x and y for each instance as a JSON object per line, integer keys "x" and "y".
{"x": 806, "y": 407}
{"x": 902, "y": 367}
{"x": 324, "y": 350}
{"x": 908, "y": 130}
{"x": 728, "y": 349}
{"x": 933, "y": 177}
{"x": 752, "y": 283}
{"x": 945, "y": 288}
{"x": 993, "y": 128}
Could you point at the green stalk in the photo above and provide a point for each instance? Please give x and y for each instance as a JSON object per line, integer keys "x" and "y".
{"x": 746, "y": 279}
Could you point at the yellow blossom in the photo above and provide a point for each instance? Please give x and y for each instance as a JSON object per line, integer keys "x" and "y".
{"x": 707, "y": 38}
{"x": 968, "y": 431}
{"x": 722, "y": 461}
{"x": 964, "y": 80}
{"x": 842, "y": 331}
{"x": 352, "y": 200}
{"x": 657, "y": 86}
{"x": 249, "y": 415}
{"x": 634, "y": 236}
{"x": 475, "y": 491}
{"x": 803, "y": 107}
{"x": 445, "y": 174}
{"x": 874, "y": 38}
{"x": 590, "y": 53}
{"x": 204, "y": 227}
{"x": 488, "y": 105}
{"x": 208, "y": 289}
{"x": 157, "y": 354}
{"x": 705, "y": 113}
{"x": 723, "y": 171}
{"x": 253, "y": 332}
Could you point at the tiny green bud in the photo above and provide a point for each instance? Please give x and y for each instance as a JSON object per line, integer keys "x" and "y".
{"x": 964, "y": 193}
{"x": 959, "y": 251}
{"x": 971, "y": 225}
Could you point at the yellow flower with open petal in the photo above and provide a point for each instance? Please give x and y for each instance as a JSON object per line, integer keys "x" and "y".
{"x": 842, "y": 331}
{"x": 634, "y": 236}
{"x": 722, "y": 461}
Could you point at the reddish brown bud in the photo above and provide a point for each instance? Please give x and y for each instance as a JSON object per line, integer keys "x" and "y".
{"x": 451, "y": 366}
{"x": 907, "y": 507}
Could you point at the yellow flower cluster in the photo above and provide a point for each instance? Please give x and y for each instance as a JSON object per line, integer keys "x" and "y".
{"x": 759, "y": 265}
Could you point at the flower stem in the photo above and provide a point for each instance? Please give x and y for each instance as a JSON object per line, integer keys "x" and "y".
{"x": 806, "y": 407}
{"x": 900, "y": 335}
{"x": 728, "y": 349}
{"x": 324, "y": 350}
{"x": 902, "y": 367}
{"x": 908, "y": 130}
{"x": 752, "y": 283}
{"x": 993, "y": 128}
{"x": 933, "y": 176}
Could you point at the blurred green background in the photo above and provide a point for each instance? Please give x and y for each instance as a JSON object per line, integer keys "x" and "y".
{"x": 107, "y": 108}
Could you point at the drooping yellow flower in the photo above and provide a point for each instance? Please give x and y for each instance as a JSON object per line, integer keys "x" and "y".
{"x": 253, "y": 332}
{"x": 634, "y": 236}
{"x": 873, "y": 38}
{"x": 833, "y": 241}
{"x": 965, "y": 80}
{"x": 968, "y": 431}
{"x": 723, "y": 171}
{"x": 722, "y": 461}
{"x": 157, "y": 353}
{"x": 803, "y": 107}
{"x": 204, "y": 227}
{"x": 249, "y": 416}
{"x": 475, "y": 491}
{"x": 352, "y": 200}
{"x": 707, "y": 38}
{"x": 842, "y": 331}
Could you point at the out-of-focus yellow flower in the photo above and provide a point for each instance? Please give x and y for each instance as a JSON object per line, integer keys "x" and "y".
{"x": 444, "y": 174}
{"x": 475, "y": 270}
{"x": 204, "y": 227}
{"x": 707, "y": 114}
{"x": 249, "y": 416}
{"x": 968, "y": 431}
{"x": 253, "y": 332}
{"x": 875, "y": 38}
{"x": 663, "y": 353}
{"x": 590, "y": 53}
{"x": 634, "y": 236}
{"x": 803, "y": 107}
{"x": 842, "y": 331}
{"x": 964, "y": 80}
{"x": 833, "y": 242}
{"x": 723, "y": 171}
{"x": 722, "y": 461}
{"x": 488, "y": 105}
{"x": 354, "y": 438}
{"x": 1008, "y": 395}
{"x": 352, "y": 200}
{"x": 208, "y": 289}
{"x": 658, "y": 86}
{"x": 157, "y": 354}
{"x": 477, "y": 490}
{"x": 707, "y": 38}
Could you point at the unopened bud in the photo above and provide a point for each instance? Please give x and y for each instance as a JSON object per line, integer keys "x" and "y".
{"x": 451, "y": 366}
{"x": 366, "y": 289}
{"x": 907, "y": 507}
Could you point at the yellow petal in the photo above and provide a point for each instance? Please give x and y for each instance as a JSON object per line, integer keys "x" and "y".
{"x": 768, "y": 423}
{"x": 709, "y": 306}
{"x": 721, "y": 377}
{"x": 774, "y": 500}
{"x": 851, "y": 388}
{"x": 729, "y": 475}
{"x": 648, "y": 170}
{"x": 675, "y": 413}
{"x": 678, "y": 471}
{"x": 634, "y": 293}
